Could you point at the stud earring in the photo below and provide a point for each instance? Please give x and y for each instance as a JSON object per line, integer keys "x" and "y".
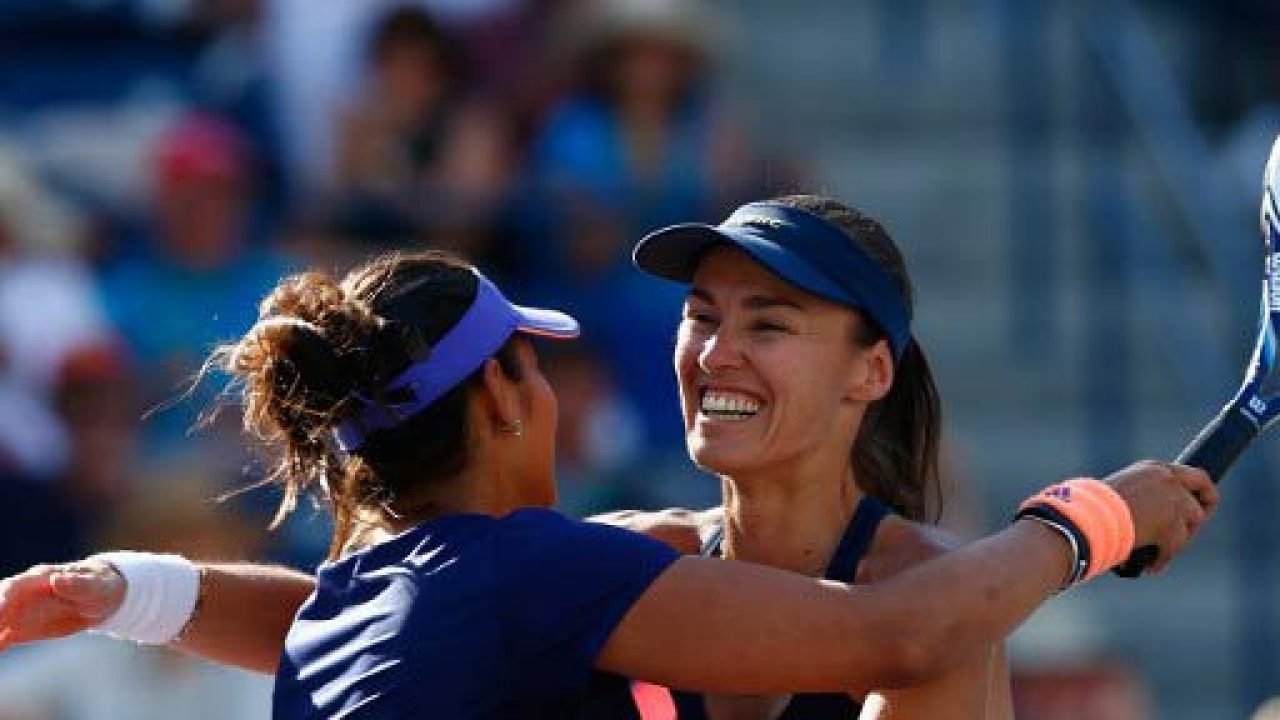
{"x": 515, "y": 428}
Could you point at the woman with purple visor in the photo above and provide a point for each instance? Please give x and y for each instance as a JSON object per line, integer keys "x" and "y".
{"x": 409, "y": 397}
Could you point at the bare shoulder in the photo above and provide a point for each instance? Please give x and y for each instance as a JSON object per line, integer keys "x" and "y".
{"x": 901, "y": 544}
{"x": 681, "y": 528}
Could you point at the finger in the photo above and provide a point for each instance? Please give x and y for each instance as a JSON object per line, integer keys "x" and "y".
{"x": 1208, "y": 496}
{"x": 92, "y": 591}
{"x": 1191, "y": 510}
{"x": 1192, "y": 529}
{"x": 1171, "y": 547}
{"x": 19, "y": 588}
{"x": 1193, "y": 478}
{"x": 16, "y": 593}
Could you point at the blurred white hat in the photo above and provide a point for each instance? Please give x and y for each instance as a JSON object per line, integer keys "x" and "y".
{"x": 35, "y": 219}
{"x": 691, "y": 24}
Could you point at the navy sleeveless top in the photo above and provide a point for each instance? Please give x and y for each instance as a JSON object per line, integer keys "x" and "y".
{"x": 844, "y": 564}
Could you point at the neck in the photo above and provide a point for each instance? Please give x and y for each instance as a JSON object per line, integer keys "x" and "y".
{"x": 791, "y": 520}
{"x": 481, "y": 488}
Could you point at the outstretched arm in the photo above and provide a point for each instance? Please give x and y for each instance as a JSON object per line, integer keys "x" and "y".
{"x": 244, "y": 610}
{"x": 759, "y": 630}
{"x": 762, "y": 631}
{"x": 244, "y": 613}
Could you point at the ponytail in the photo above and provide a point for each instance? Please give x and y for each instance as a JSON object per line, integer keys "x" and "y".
{"x": 895, "y": 456}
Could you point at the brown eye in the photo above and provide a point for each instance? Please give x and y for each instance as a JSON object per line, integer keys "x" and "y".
{"x": 769, "y": 327}
{"x": 698, "y": 317}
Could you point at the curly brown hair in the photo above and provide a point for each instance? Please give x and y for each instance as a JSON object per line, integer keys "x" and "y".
{"x": 323, "y": 347}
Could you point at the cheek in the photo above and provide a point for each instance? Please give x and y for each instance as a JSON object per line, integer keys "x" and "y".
{"x": 685, "y": 361}
{"x": 794, "y": 378}
{"x": 688, "y": 348}
{"x": 551, "y": 407}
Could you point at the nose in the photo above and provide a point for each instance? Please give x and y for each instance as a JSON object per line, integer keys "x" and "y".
{"x": 719, "y": 351}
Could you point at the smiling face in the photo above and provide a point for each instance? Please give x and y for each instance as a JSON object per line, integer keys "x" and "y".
{"x": 769, "y": 374}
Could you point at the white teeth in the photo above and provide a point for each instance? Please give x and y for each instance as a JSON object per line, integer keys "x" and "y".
{"x": 732, "y": 405}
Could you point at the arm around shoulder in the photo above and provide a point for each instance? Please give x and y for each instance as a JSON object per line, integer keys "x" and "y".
{"x": 678, "y": 528}
{"x": 726, "y": 627}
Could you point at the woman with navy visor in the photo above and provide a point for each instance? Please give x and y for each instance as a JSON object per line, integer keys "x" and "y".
{"x": 804, "y": 391}
{"x": 452, "y": 591}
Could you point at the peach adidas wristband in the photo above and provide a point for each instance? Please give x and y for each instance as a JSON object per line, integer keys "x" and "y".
{"x": 1099, "y": 515}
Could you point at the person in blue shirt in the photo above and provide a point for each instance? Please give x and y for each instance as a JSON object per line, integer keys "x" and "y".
{"x": 409, "y": 397}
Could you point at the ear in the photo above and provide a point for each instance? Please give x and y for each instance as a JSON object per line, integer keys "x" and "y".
{"x": 501, "y": 394}
{"x": 872, "y": 374}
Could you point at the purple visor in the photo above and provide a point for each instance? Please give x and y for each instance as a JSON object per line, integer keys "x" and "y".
{"x": 477, "y": 336}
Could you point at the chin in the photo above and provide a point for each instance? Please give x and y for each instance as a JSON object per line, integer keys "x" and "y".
{"x": 710, "y": 458}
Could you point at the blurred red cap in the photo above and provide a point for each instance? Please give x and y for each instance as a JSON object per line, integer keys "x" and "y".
{"x": 92, "y": 363}
{"x": 201, "y": 146}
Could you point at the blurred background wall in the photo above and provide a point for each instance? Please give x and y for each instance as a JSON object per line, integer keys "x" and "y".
{"x": 1075, "y": 184}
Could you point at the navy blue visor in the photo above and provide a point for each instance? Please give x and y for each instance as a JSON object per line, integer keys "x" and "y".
{"x": 798, "y": 246}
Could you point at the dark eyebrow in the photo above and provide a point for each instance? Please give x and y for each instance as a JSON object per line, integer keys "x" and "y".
{"x": 699, "y": 293}
{"x": 765, "y": 302}
{"x": 754, "y": 302}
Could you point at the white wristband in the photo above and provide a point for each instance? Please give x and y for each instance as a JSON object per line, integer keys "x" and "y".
{"x": 159, "y": 599}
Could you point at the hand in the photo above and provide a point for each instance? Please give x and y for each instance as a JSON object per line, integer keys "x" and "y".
{"x": 1168, "y": 503}
{"x": 52, "y": 601}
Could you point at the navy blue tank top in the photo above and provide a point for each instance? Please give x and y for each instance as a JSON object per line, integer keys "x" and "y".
{"x": 844, "y": 564}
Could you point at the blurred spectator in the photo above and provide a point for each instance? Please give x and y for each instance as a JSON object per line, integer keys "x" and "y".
{"x": 232, "y": 78}
{"x": 1101, "y": 691}
{"x": 599, "y": 439}
{"x": 58, "y": 519}
{"x": 48, "y": 307}
{"x": 394, "y": 130}
{"x": 643, "y": 139}
{"x": 199, "y": 279}
{"x": 641, "y": 142}
{"x": 318, "y": 60}
{"x": 417, "y": 156}
{"x": 93, "y": 678}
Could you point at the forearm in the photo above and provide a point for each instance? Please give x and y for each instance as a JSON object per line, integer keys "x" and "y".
{"x": 244, "y": 614}
{"x": 946, "y": 610}
{"x": 676, "y": 527}
{"x": 763, "y": 631}
{"x": 972, "y": 690}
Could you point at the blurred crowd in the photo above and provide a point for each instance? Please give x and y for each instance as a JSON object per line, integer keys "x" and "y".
{"x": 163, "y": 162}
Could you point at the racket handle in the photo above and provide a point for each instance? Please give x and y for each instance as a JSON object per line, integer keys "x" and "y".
{"x": 1220, "y": 443}
{"x": 1214, "y": 450}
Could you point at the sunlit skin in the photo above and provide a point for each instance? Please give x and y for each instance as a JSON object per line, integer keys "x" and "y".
{"x": 512, "y": 446}
{"x": 536, "y": 442}
{"x": 748, "y": 336}
{"x": 796, "y": 386}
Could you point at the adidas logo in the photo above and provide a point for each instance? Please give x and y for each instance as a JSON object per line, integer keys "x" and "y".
{"x": 1062, "y": 492}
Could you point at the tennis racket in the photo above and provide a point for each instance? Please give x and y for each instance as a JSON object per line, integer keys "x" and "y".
{"x": 1256, "y": 406}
